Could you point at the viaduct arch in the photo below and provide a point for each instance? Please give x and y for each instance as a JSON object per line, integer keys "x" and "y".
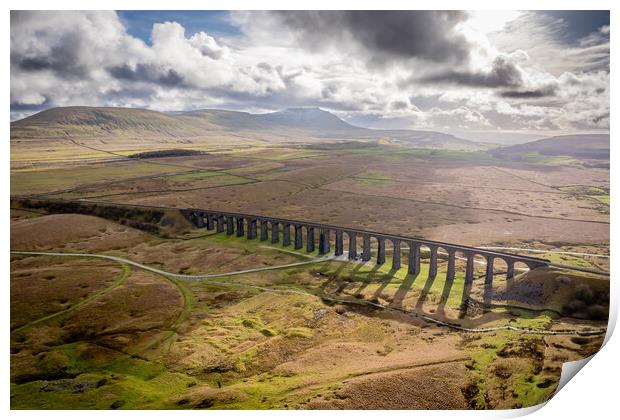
{"x": 290, "y": 232}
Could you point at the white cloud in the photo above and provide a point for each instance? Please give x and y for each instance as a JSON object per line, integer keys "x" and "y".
{"x": 505, "y": 81}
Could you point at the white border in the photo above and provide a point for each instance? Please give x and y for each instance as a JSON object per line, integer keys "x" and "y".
{"x": 593, "y": 394}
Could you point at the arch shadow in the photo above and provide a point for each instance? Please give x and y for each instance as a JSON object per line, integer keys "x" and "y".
{"x": 403, "y": 289}
{"x": 384, "y": 283}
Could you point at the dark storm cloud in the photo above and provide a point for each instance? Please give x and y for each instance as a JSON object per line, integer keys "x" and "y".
{"x": 148, "y": 74}
{"x": 63, "y": 58}
{"x": 21, "y": 110}
{"x": 143, "y": 93}
{"x": 428, "y": 35}
{"x": 529, "y": 94}
{"x": 399, "y": 105}
{"x": 503, "y": 73}
{"x": 17, "y": 106}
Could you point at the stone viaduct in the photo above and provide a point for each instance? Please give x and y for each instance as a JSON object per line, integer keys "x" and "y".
{"x": 254, "y": 226}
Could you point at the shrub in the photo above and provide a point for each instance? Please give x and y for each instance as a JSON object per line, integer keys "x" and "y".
{"x": 563, "y": 279}
{"x": 597, "y": 312}
{"x": 267, "y": 332}
{"x": 573, "y": 306}
{"x": 584, "y": 293}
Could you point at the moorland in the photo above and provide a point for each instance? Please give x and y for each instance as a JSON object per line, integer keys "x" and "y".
{"x": 188, "y": 318}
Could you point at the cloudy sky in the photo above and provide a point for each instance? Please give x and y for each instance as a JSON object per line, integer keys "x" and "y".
{"x": 467, "y": 73}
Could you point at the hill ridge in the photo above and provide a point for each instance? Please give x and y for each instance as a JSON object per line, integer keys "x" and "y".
{"x": 582, "y": 146}
{"x": 289, "y": 124}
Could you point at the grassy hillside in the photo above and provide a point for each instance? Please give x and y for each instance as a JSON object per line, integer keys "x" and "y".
{"x": 92, "y": 122}
{"x": 293, "y": 124}
{"x": 580, "y": 146}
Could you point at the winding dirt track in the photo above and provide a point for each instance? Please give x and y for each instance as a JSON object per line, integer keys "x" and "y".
{"x": 166, "y": 273}
{"x": 207, "y": 277}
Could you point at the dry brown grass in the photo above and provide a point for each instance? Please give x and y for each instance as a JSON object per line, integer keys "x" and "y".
{"x": 60, "y": 230}
{"x": 142, "y": 303}
{"x": 427, "y": 388}
{"x": 42, "y": 286}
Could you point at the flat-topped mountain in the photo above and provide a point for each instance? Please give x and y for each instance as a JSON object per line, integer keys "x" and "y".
{"x": 292, "y": 124}
{"x": 309, "y": 118}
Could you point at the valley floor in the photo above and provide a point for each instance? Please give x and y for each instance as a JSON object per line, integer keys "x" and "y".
{"x": 148, "y": 329}
{"x": 179, "y": 317}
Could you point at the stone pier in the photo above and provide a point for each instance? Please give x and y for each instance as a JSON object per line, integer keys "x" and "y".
{"x": 299, "y": 242}
{"x": 264, "y": 232}
{"x": 450, "y": 272}
{"x": 366, "y": 248}
{"x": 309, "y": 239}
{"x": 286, "y": 234}
{"x": 220, "y": 224}
{"x": 469, "y": 269}
{"x": 339, "y": 247}
{"x": 323, "y": 241}
{"x": 230, "y": 227}
{"x": 251, "y": 228}
{"x": 432, "y": 269}
{"x": 510, "y": 270}
{"x": 380, "y": 250}
{"x": 414, "y": 258}
{"x": 488, "y": 279}
{"x": 275, "y": 232}
{"x": 240, "y": 227}
{"x": 352, "y": 246}
{"x": 396, "y": 254}
{"x": 209, "y": 222}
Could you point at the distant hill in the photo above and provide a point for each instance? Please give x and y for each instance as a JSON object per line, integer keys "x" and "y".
{"x": 323, "y": 125}
{"x": 309, "y": 118}
{"x": 292, "y": 124}
{"x": 580, "y": 146}
{"x": 79, "y": 121}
